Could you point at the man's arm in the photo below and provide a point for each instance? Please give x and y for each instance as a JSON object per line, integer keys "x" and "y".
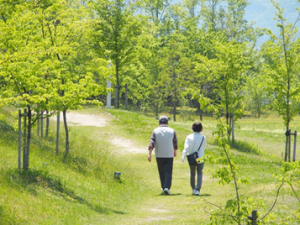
{"x": 151, "y": 145}
{"x": 175, "y": 144}
{"x": 149, "y": 156}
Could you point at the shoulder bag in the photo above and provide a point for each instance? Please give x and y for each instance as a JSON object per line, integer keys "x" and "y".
{"x": 192, "y": 158}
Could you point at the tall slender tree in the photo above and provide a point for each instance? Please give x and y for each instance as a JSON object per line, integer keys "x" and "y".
{"x": 114, "y": 30}
{"x": 281, "y": 65}
{"x": 227, "y": 73}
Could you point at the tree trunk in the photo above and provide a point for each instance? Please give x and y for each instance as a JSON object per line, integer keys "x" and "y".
{"x": 174, "y": 112}
{"x": 286, "y": 144}
{"x": 28, "y": 139}
{"x": 174, "y": 106}
{"x": 288, "y": 135}
{"x": 200, "y": 111}
{"x": 156, "y": 109}
{"x": 67, "y": 132}
{"x": 47, "y": 124}
{"x": 117, "y": 75}
{"x": 201, "y": 114}
{"x": 227, "y": 113}
{"x": 24, "y": 141}
{"x": 57, "y": 132}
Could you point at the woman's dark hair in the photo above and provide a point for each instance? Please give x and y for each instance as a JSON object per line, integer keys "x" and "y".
{"x": 197, "y": 127}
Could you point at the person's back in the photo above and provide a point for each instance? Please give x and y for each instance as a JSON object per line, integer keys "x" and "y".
{"x": 164, "y": 141}
{"x": 195, "y": 142}
{"x": 164, "y": 136}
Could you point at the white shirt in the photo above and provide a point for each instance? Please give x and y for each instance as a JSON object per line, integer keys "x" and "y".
{"x": 192, "y": 144}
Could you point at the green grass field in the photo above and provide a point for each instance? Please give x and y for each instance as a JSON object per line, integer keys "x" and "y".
{"x": 81, "y": 189}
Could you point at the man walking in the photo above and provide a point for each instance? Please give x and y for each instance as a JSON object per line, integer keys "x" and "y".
{"x": 164, "y": 140}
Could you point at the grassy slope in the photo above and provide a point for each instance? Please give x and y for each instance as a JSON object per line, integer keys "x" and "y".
{"x": 80, "y": 189}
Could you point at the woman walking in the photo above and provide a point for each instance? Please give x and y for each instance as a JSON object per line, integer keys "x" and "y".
{"x": 195, "y": 142}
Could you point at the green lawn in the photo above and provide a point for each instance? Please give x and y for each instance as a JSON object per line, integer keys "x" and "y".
{"x": 81, "y": 189}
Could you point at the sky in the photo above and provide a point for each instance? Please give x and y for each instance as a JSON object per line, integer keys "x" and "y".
{"x": 262, "y": 12}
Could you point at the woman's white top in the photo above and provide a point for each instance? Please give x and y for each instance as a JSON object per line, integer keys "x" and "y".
{"x": 192, "y": 143}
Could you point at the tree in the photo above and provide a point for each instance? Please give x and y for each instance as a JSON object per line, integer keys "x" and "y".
{"x": 281, "y": 56}
{"x": 227, "y": 74}
{"x": 115, "y": 29}
{"x": 172, "y": 73}
{"x": 212, "y": 13}
{"x": 156, "y": 30}
{"x": 40, "y": 45}
{"x": 256, "y": 94}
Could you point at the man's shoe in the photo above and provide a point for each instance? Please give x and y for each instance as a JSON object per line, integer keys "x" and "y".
{"x": 197, "y": 192}
{"x": 194, "y": 191}
{"x": 167, "y": 191}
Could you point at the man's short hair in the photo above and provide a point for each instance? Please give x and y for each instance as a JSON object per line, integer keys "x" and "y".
{"x": 197, "y": 127}
{"x": 163, "y": 119}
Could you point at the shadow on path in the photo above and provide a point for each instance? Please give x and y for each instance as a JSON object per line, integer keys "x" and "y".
{"x": 163, "y": 194}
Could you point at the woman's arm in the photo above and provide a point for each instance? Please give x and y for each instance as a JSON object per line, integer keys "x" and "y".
{"x": 186, "y": 148}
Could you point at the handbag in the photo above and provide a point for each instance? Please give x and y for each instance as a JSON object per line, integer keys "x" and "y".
{"x": 192, "y": 158}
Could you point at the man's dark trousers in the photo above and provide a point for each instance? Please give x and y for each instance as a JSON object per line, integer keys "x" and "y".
{"x": 165, "y": 168}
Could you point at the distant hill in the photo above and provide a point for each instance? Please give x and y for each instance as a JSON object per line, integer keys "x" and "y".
{"x": 262, "y": 13}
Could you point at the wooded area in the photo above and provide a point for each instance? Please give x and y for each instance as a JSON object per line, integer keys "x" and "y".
{"x": 197, "y": 54}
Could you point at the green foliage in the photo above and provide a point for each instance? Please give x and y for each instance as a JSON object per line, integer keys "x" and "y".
{"x": 290, "y": 172}
{"x": 280, "y": 55}
{"x": 47, "y": 64}
{"x": 174, "y": 71}
{"x": 42, "y": 70}
{"x": 227, "y": 74}
{"x": 256, "y": 95}
{"x": 114, "y": 33}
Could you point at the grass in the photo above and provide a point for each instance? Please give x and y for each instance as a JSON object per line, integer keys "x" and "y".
{"x": 58, "y": 189}
{"x": 81, "y": 189}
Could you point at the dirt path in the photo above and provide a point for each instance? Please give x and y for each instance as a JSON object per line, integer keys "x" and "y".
{"x": 155, "y": 208}
{"x": 80, "y": 119}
